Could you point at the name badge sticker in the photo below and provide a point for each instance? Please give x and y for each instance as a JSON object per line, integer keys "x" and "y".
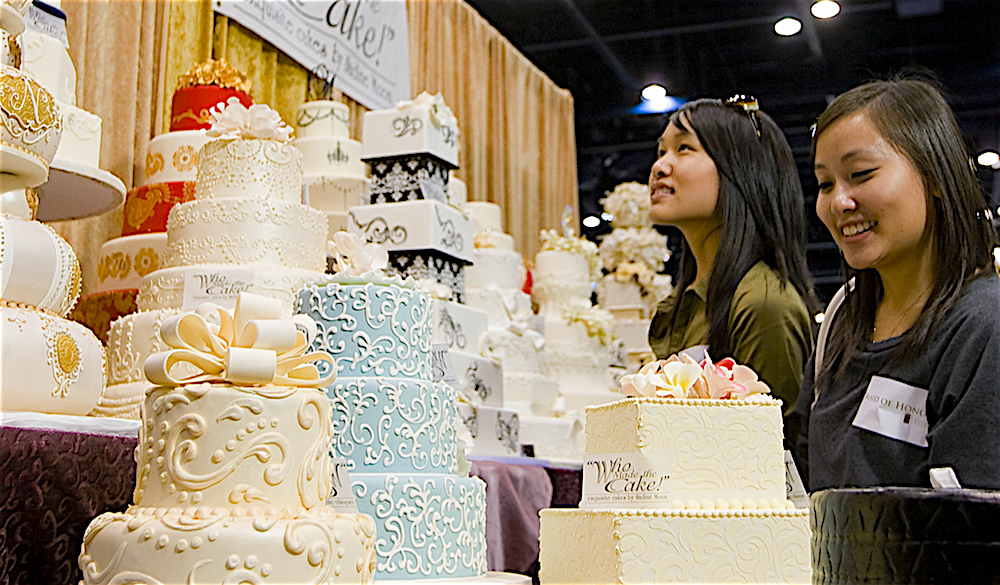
{"x": 627, "y": 480}
{"x": 895, "y": 410}
{"x": 341, "y": 496}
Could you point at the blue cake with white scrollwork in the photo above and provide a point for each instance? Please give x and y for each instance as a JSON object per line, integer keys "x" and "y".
{"x": 397, "y": 428}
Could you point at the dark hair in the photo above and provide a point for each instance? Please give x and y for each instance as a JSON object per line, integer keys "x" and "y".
{"x": 760, "y": 207}
{"x": 913, "y": 116}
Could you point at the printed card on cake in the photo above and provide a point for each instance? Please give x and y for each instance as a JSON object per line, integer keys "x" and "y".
{"x": 627, "y": 480}
{"x": 341, "y": 497}
{"x": 221, "y": 287}
{"x": 442, "y": 368}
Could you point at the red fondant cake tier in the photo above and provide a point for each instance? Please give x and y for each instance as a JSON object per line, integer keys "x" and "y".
{"x": 96, "y": 311}
{"x": 190, "y": 106}
{"x": 147, "y": 207}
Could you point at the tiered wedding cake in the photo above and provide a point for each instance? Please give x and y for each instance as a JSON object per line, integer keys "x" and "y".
{"x": 49, "y": 364}
{"x": 577, "y": 334}
{"x": 233, "y": 464}
{"x": 633, "y": 253}
{"x": 169, "y": 175}
{"x": 724, "y": 516}
{"x": 395, "y": 426}
{"x": 334, "y": 172}
{"x": 246, "y": 230}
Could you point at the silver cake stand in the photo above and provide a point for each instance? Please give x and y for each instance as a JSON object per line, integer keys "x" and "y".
{"x": 75, "y": 191}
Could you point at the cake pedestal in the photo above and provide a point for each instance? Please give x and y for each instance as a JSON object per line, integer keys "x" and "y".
{"x": 15, "y": 162}
{"x": 75, "y": 191}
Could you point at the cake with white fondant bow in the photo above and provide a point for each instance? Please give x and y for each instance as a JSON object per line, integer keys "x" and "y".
{"x": 721, "y": 514}
{"x": 233, "y": 463}
{"x": 393, "y": 423}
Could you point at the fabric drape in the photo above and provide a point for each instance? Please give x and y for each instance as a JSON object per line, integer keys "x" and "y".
{"x": 517, "y": 143}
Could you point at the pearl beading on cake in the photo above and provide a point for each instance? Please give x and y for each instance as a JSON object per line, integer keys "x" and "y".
{"x": 249, "y": 169}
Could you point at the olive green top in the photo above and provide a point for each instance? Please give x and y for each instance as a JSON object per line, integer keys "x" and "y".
{"x": 769, "y": 326}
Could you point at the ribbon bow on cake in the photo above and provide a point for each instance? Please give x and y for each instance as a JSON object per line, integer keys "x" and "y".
{"x": 251, "y": 346}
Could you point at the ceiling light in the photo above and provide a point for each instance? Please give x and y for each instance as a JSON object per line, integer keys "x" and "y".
{"x": 988, "y": 158}
{"x": 825, "y": 9}
{"x": 653, "y": 92}
{"x": 591, "y": 221}
{"x": 788, "y": 26}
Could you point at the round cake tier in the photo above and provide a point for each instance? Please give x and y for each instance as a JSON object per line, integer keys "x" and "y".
{"x": 189, "y": 286}
{"x": 371, "y": 329}
{"x": 81, "y": 136}
{"x": 223, "y": 445}
{"x": 246, "y": 231}
{"x": 559, "y": 276}
{"x": 394, "y": 425}
{"x": 488, "y": 215}
{"x": 323, "y": 118}
{"x": 336, "y": 193}
{"x": 720, "y": 450}
{"x": 222, "y": 545}
{"x": 428, "y": 526}
{"x": 50, "y": 364}
{"x": 148, "y": 207}
{"x": 30, "y": 121}
{"x": 190, "y": 106}
{"x": 458, "y": 191}
{"x": 517, "y": 351}
{"x": 905, "y": 535}
{"x": 46, "y": 59}
{"x": 570, "y": 346}
{"x": 125, "y": 261}
{"x": 131, "y": 340}
{"x": 503, "y": 306}
{"x": 529, "y": 393}
{"x": 331, "y": 156}
{"x": 173, "y": 157}
{"x": 122, "y": 401}
{"x": 498, "y": 240}
{"x": 37, "y": 266}
{"x": 495, "y": 268}
{"x": 249, "y": 168}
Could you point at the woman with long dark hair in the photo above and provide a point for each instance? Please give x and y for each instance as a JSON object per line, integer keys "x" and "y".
{"x": 726, "y": 178}
{"x": 908, "y": 360}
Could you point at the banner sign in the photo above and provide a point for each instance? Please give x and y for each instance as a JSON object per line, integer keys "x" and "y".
{"x": 363, "y": 43}
{"x": 627, "y": 480}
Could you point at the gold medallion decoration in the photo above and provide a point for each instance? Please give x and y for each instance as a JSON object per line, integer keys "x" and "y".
{"x": 64, "y": 356}
{"x": 139, "y": 208}
{"x": 27, "y": 106}
{"x": 146, "y": 261}
{"x": 185, "y": 158}
{"x": 32, "y": 198}
{"x": 154, "y": 163}
{"x": 215, "y": 72}
{"x": 116, "y": 265}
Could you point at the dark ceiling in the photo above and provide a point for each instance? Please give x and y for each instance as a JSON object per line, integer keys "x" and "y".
{"x": 605, "y": 51}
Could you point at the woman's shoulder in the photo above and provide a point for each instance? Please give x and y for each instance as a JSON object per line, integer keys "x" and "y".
{"x": 762, "y": 288}
{"x": 979, "y": 300}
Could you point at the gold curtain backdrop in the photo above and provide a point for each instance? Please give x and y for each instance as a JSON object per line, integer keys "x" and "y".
{"x": 518, "y": 145}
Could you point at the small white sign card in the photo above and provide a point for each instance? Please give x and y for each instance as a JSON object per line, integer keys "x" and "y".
{"x": 221, "y": 287}
{"x": 895, "y": 410}
{"x": 341, "y": 497}
{"x": 442, "y": 369}
{"x": 794, "y": 489}
{"x": 627, "y": 480}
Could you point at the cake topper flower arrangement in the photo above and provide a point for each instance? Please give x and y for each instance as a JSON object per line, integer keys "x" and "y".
{"x": 352, "y": 257}
{"x": 233, "y": 120}
{"x": 628, "y": 205}
{"x": 551, "y": 240}
{"x": 680, "y": 376}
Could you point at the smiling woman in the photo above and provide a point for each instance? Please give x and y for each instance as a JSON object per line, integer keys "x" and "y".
{"x": 906, "y": 380}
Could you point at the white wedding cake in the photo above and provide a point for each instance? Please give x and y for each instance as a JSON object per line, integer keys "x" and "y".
{"x": 49, "y": 364}
{"x": 396, "y": 427}
{"x": 245, "y": 231}
{"x": 233, "y": 463}
{"x": 725, "y": 516}
{"x": 633, "y": 254}
{"x": 334, "y": 173}
{"x": 578, "y": 335}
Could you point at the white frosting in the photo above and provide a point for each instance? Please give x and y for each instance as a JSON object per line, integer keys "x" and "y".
{"x": 131, "y": 340}
{"x": 553, "y": 438}
{"x": 173, "y": 157}
{"x": 336, "y": 192}
{"x": 420, "y": 126}
{"x": 37, "y": 266}
{"x": 558, "y": 277}
{"x": 494, "y": 431}
{"x": 458, "y": 326}
{"x": 323, "y": 118}
{"x": 458, "y": 191}
{"x": 50, "y": 364}
{"x": 246, "y": 231}
{"x": 416, "y": 225}
{"x": 324, "y": 155}
{"x": 48, "y": 61}
{"x": 250, "y": 169}
{"x": 503, "y": 307}
{"x": 495, "y": 268}
{"x": 164, "y": 289}
{"x": 634, "y": 335}
{"x": 675, "y": 546}
{"x": 125, "y": 261}
{"x": 81, "y": 137}
{"x": 488, "y": 215}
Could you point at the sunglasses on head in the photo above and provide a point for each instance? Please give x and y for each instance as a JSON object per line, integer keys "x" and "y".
{"x": 749, "y": 106}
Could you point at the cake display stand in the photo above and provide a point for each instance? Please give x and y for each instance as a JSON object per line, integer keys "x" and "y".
{"x": 75, "y": 191}
{"x": 31, "y": 168}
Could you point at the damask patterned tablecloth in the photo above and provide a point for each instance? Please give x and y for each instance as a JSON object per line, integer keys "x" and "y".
{"x": 52, "y": 484}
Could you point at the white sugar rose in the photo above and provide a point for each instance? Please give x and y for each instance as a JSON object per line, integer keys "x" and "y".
{"x": 232, "y": 120}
